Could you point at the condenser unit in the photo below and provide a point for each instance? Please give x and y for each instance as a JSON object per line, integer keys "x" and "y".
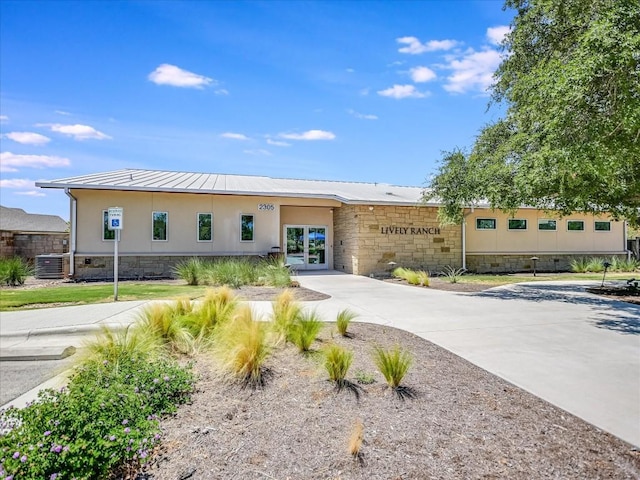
{"x": 49, "y": 266}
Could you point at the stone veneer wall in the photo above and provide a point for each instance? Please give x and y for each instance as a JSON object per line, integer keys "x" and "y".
{"x": 29, "y": 245}
{"x": 365, "y": 240}
{"x": 504, "y": 263}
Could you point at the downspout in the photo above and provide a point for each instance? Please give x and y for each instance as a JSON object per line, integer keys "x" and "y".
{"x": 74, "y": 232}
{"x": 464, "y": 238}
{"x": 624, "y": 240}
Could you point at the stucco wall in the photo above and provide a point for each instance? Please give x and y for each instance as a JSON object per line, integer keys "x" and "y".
{"x": 367, "y": 238}
{"x": 532, "y": 240}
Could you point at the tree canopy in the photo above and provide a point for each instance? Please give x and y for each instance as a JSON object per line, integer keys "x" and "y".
{"x": 570, "y": 138}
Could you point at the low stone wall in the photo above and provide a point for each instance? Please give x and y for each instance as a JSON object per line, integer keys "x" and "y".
{"x": 29, "y": 245}
{"x": 523, "y": 263}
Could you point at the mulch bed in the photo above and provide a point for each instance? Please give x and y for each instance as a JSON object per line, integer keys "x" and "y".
{"x": 440, "y": 284}
{"x": 621, "y": 293}
{"x": 463, "y": 423}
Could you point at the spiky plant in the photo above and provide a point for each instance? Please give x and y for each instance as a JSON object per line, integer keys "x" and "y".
{"x": 579, "y": 265}
{"x": 286, "y": 312}
{"x": 305, "y": 330}
{"x": 392, "y": 363}
{"x": 162, "y": 323}
{"x": 343, "y": 320}
{"x": 217, "y": 307}
{"x": 453, "y": 274}
{"x": 191, "y": 271}
{"x": 14, "y": 271}
{"x": 595, "y": 265}
{"x": 241, "y": 348}
{"x": 423, "y": 278}
{"x": 115, "y": 346}
{"x": 356, "y": 439}
{"x": 337, "y": 361}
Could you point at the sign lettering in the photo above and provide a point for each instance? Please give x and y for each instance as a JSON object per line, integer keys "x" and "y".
{"x": 394, "y": 230}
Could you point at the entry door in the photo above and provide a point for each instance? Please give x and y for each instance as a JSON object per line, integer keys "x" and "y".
{"x": 305, "y": 247}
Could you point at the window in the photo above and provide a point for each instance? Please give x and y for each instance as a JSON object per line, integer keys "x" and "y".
{"x": 205, "y": 227}
{"x": 602, "y": 226}
{"x": 517, "y": 224}
{"x": 547, "y": 225}
{"x": 575, "y": 225}
{"x": 485, "y": 223}
{"x": 246, "y": 228}
{"x": 106, "y": 233}
{"x": 160, "y": 224}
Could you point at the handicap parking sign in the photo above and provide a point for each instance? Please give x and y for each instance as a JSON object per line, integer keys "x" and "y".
{"x": 114, "y": 218}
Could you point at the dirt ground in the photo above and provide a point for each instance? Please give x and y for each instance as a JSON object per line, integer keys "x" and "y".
{"x": 462, "y": 423}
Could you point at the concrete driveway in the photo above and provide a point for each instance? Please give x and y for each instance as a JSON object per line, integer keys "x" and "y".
{"x": 573, "y": 349}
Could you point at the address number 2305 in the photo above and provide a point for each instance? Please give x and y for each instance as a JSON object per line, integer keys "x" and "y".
{"x": 266, "y": 206}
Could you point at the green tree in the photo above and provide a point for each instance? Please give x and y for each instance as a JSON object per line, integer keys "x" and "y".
{"x": 570, "y": 139}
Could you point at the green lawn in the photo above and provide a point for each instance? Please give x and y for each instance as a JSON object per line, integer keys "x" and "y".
{"x": 540, "y": 277}
{"x": 16, "y": 299}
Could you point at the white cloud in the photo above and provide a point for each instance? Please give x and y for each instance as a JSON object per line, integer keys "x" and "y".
{"x": 27, "y": 138}
{"x": 78, "y": 132}
{"x": 309, "y": 135}
{"x": 473, "y": 71}
{"x": 415, "y": 47}
{"x": 362, "y": 116}
{"x": 496, "y": 34}
{"x": 62, "y": 112}
{"x": 402, "y": 91}
{"x": 4, "y": 118}
{"x": 32, "y": 193}
{"x": 278, "y": 143}
{"x": 350, "y": 70}
{"x": 167, "y": 74}
{"x": 422, "y": 74}
{"x": 221, "y": 91}
{"x": 365, "y": 91}
{"x": 258, "y": 151}
{"x": 234, "y": 136}
{"x": 17, "y": 183}
{"x": 10, "y": 162}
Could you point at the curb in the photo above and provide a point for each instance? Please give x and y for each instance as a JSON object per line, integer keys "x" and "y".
{"x": 67, "y": 330}
{"x": 36, "y": 353}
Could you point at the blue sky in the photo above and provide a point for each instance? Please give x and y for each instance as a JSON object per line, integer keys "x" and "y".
{"x": 354, "y": 91}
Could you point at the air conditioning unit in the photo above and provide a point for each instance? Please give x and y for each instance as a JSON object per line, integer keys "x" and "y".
{"x": 49, "y": 266}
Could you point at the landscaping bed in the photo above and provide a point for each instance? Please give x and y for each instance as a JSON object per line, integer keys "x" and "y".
{"x": 463, "y": 423}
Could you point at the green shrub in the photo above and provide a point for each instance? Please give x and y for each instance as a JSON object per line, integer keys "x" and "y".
{"x": 343, "y": 320}
{"x": 107, "y": 416}
{"x": 412, "y": 277}
{"x": 14, "y": 271}
{"x": 218, "y": 306}
{"x": 595, "y": 265}
{"x": 241, "y": 348}
{"x": 274, "y": 273}
{"x": 164, "y": 324}
{"x": 393, "y": 364}
{"x": 337, "y": 361}
{"x": 116, "y": 346}
{"x": 624, "y": 265}
{"x": 423, "y": 278}
{"x": 305, "y": 331}
{"x": 364, "y": 378}
{"x": 579, "y": 265}
{"x": 234, "y": 272}
{"x": 286, "y": 312}
{"x": 191, "y": 271}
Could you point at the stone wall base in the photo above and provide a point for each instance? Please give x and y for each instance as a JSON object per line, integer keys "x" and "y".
{"x": 523, "y": 263}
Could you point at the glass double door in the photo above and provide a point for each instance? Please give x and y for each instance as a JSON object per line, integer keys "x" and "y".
{"x": 305, "y": 247}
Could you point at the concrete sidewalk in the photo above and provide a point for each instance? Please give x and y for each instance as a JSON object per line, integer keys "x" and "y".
{"x": 575, "y": 350}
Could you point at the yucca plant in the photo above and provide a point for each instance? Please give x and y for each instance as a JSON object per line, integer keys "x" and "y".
{"x": 343, "y": 320}
{"x": 191, "y": 271}
{"x": 241, "y": 348}
{"x": 453, "y": 274}
{"x": 337, "y": 362}
{"x": 14, "y": 271}
{"x": 393, "y": 364}
{"x": 595, "y": 265}
{"x": 163, "y": 323}
{"x": 305, "y": 330}
{"x": 286, "y": 312}
{"x": 217, "y": 307}
{"x": 579, "y": 265}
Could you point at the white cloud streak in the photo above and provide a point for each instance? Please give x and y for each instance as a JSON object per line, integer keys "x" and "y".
{"x": 362, "y": 116}
{"x": 77, "y": 132}
{"x": 11, "y": 162}
{"x": 27, "y": 138}
{"x": 17, "y": 183}
{"x": 496, "y": 34}
{"x": 234, "y": 136}
{"x": 402, "y": 91}
{"x": 422, "y": 74}
{"x": 258, "y": 152}
{"x": 4, "y": 118}
{"x": 415, "y": 47}
{"x": 167, "y": 74}
{"x": 277, "y": 143}
{"x": 32, "y": 193}
{"x": 473, "y": 71}
{"x": 309, "y": 135}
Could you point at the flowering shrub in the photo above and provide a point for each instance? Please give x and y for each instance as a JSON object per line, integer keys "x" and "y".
{"x": 107, "y": 416}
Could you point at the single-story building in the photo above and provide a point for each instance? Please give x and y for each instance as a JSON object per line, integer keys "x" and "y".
{"x": 359, "y": 228}
{"x": 27, "y": 235}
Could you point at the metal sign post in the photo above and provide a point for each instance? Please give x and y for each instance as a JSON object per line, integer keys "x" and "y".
{"x": 115, "y": 222}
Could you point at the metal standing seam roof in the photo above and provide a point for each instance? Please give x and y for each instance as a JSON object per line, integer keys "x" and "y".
{"x": 17, "y": 220}
{"x": 186, "y": 182}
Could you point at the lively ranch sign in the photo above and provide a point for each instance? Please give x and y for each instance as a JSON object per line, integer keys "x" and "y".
{"x": 392, "y": 230}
